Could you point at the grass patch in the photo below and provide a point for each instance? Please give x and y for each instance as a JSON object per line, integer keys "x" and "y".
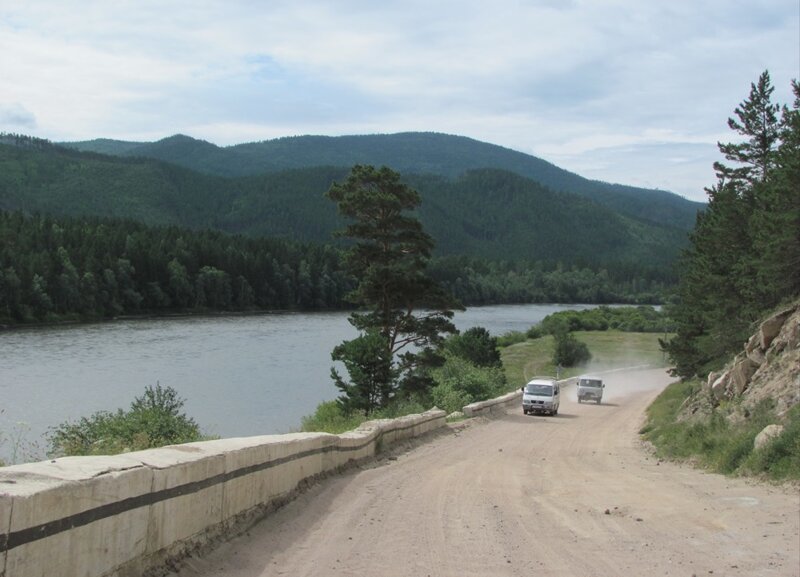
{"x": 720, "y": 444}
{"x": 609, "y": 349}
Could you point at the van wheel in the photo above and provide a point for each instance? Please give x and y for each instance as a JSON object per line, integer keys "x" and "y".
{"x": 580, "y": 400}
{"x": 598, "y": 401}
{"x": 524, "y": 412}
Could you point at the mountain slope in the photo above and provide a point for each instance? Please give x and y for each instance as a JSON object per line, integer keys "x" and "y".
{"x": 490, "y": 213}
{"x": 410, "y": 152}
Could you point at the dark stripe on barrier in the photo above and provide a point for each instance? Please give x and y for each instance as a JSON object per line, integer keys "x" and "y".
{"x": 25, "y": 536}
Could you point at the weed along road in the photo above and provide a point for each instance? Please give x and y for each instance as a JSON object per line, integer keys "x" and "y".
{"x": 571, "y": 495}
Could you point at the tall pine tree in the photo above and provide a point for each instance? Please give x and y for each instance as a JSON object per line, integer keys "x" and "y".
{"x": 406, "y": 310}
{"x": 744, "y": 255}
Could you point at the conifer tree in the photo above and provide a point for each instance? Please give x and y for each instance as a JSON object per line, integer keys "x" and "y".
{"x": 405, "y": 308}
{"x": 744, "y": 257}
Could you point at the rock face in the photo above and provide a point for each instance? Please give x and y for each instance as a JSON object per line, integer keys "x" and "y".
{"x": 768, "y": 367}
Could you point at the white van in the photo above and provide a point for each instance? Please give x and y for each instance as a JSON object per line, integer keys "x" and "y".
{"x": 541, "y": 395}
{"x": 590, "y": 388}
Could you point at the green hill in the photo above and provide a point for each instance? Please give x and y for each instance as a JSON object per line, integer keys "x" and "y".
{"x": 489, "y": 213}
{"x": 408, "y": 153}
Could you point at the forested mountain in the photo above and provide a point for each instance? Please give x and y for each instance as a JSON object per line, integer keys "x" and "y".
{"x": 490, "y": 213}
{"x": 407, "y": 153}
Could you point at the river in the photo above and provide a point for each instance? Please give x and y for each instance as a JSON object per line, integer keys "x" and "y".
{"x": 240, "y": 375}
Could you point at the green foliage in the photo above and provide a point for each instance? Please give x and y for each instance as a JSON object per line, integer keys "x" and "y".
{"x": 475, "y": 345}
{"x": 406, "y": 311}
{"x": 641, "y": 319}
{"x": 94, "y": 268}
{"x": 153, "y": 420}
{"x": 460, "y": 382}
{"x": 719, "y": 443}
{"x": 511, "y": 338}
{"x": 369, "y": 363}
{"x": 525, "y": 222}
{"x": 569, "y": 351}
{"x": 409, "y": 153}
{"x": 331, "y": 417}
{"x": 780, "y": 458}
{"x": 744, "y": 257}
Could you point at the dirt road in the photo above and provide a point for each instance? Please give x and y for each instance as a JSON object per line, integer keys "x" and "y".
{"x": 572, "y": 495}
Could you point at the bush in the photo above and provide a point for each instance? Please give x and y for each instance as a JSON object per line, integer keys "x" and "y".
{"x": 331, "y": 417}
{"x": 569, "y": 351}
{"x": 643, "y": 319}
{"x": 475, "y": 345}
{"x": 511, "y": 338}
{"x": 459, "y": 383}
{"x": 154, "y": 420}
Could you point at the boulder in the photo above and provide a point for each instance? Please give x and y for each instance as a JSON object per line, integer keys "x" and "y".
{"x": 719, "y": 388}
{"x": 766, "y": 435}
{"x": 772, "y": 326}
{"x": 754, "y": 351}
{"x": 743, "y": 369}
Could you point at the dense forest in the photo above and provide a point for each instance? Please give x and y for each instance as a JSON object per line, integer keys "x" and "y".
{"x": 488, "y": 213}
{"x": 55, "y": 269}
{"x": 744, "y": 257}
{"x": 430, "y": 153}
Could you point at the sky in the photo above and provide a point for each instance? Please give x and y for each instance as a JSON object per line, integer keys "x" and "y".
{"x": 636, "y": 92}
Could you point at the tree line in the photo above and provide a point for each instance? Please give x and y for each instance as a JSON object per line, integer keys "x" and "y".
{"x": 744, "y": 257}
{"x": 54, "y": 269}
{"x": 58, "y": 269}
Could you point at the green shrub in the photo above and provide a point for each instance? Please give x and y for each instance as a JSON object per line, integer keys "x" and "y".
{"x": 154, "y": 420}
{"x": 476, "y": 345}
{"x": 459, "y": 383}
{"x": 511, "y": 338}
{"x": 569, "y": 351}
{"x": 331, "y": 417}
{"x": 450, "y": 398}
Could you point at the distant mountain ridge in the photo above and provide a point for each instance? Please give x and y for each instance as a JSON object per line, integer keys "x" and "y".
{"x": 488, "y": 213}
{"x": 408, "y": 153}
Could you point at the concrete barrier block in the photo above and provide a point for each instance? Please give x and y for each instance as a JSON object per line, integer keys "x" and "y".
{"x": 298, "y": 456}
{"x": 74, "y": 517}
{"x": 5, "y": 523}
{"x": 356, "y": 445}
{"x": 187, "y": 493}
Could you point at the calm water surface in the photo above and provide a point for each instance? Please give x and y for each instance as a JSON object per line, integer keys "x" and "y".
{"x": 240, "y": 376}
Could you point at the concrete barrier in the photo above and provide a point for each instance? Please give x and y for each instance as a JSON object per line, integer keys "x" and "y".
{"x": 133, "y": 514}
{"x": 501, "y": 404}
{"x": 493, "y": 406}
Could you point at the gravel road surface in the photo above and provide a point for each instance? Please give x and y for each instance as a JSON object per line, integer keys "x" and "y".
{"x": 571, "y": 495}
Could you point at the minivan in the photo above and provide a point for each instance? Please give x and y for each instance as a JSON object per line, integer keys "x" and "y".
{"x": 590, "y": 388}
{"x": 541, "y": 395}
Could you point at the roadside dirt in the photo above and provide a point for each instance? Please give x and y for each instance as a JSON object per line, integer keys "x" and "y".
{"x": 572, "y": 495}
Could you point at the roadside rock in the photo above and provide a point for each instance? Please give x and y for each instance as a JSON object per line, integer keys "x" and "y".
{"x": 766, "y": 435}
{"x": 767, "y": 370}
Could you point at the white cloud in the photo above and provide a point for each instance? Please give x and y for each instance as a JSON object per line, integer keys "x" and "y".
{"x": 634, "y": 83}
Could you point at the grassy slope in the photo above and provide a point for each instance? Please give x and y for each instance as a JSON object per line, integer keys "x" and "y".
{"x": 610, "y": 349}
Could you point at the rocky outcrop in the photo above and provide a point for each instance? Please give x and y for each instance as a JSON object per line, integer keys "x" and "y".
{"x": 767, "y": 368}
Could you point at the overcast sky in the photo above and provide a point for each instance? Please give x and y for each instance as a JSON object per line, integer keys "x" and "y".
{"x": 630, "y": 91}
